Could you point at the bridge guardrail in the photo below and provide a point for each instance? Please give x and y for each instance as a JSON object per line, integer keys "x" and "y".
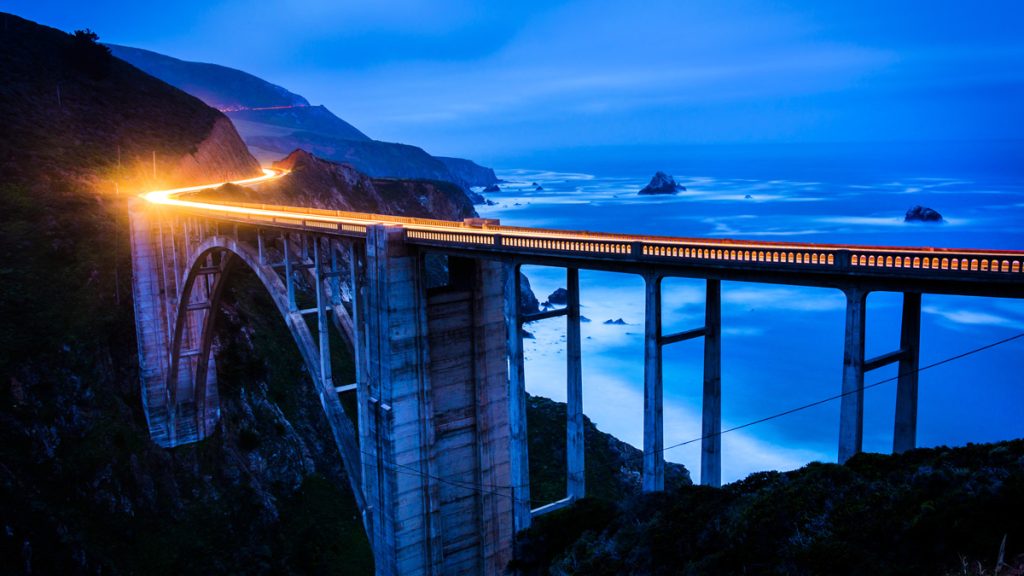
{"x": 482, "y": 234}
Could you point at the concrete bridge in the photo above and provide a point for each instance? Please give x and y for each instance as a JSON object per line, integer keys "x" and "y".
{"x": 436, "y": 451}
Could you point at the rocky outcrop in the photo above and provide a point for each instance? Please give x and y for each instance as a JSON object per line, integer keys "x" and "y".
{"x": 318, "y": 183}
{"x": 220, "y": 156}
{"x": 560, "y": 296}
{"x": 922, "y": 214}
{"x": 661, "y": 183}
{"x": 528, "y": 303}
{"x": 492, "y": 188}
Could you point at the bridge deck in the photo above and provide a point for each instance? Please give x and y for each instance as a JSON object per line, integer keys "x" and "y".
{"x": 926, "y": 269}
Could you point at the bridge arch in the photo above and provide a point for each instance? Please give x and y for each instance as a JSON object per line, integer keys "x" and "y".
{"x": 195, "y": 320}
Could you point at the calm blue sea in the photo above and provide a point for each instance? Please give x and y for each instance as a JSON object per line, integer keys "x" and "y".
{"x": 782, "y": 346}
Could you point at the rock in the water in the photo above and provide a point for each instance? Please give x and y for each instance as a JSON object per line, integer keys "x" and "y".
{"x": 748, "y": 197}
{"x": 492, "y": 188}
{"x": 618, "y": 322}
{"x": 538, "y": 188}
{"x": 559, "y": 296}
{"x": 922, "y": 214}
{"x": 527, "y": 300}
{"x": 661, "y": 183}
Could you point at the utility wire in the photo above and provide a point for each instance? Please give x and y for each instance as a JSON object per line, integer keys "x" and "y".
{"x": 483, "y": 488}
{"x": 838, "y": 396}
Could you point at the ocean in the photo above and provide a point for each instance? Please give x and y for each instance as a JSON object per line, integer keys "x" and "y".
{"x": 782, "y": 346}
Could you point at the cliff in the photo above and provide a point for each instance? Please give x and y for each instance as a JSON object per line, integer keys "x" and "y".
{"x": 469, "y": 173}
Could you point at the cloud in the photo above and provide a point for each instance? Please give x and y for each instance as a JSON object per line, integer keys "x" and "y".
{"x": 795, "y": 299}
{"x": 967, "y": 317}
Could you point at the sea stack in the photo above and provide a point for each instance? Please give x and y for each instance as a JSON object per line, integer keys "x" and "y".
{"x": 922, "y": 214}
{"x": 661, "y": 183}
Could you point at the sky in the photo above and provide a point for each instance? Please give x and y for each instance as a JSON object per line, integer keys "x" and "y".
{"x": 495, "y": 79}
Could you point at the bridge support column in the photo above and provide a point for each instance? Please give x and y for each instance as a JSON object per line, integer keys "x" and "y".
{"x": 905, "y": 429}
{"x": 654, "y": 434}
{"x": 520, "y": 457}
{"x": 711, "y": 430}
{"x": 574, "y": 444}
{"x": 393, "y": 447}
{"x": 851, "y": 409}
{"x": 435, "y": 440}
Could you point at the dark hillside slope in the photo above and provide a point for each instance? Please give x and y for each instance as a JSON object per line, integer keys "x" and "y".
{"x": 69, "y": 109}
{"x": 928, "y": 511}
{"x": 83, "y": 490}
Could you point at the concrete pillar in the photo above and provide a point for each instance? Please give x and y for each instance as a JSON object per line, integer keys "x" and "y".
{"x": 851, "y": 409}
{"x": 288, "y": 279}
{"x": 711, "y": 445}
{"x": 394, "y": 450}
{"x": 323, "y": 334}
{"x": 654, "y": 434}
{"x": 574, "y": 442}
{"x": 905, "y": 430}
{"x": 520, "y": 460}
{"x": 468, "y": 400}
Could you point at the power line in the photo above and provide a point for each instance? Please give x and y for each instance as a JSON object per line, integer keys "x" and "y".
{"x": 488, "y": 489}
{"x": 838, "y": 396}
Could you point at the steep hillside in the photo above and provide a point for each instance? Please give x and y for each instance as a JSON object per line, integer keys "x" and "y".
{"x": 82, "y": 488}
{"x": 274, "y": 121}
{"x": 102, "y": 112}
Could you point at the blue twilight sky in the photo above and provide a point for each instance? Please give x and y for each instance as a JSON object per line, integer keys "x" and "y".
{"x": 488, "y": 79}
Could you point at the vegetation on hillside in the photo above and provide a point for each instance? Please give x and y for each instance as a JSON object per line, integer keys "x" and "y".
{"x": 928, "y": 511}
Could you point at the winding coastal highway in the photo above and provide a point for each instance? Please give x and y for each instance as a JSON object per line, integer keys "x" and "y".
{"x": 940, "y": 270}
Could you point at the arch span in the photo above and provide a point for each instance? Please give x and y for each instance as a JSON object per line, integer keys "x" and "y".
{"x": 207, "y": 271}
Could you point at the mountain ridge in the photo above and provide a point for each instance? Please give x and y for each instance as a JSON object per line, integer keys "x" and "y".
{"x": 276, "y": 121}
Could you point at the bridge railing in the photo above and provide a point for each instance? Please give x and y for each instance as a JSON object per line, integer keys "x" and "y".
{"x": 481, "y": 234}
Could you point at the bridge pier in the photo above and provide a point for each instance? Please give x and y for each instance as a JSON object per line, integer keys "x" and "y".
{"x": 905, "y": 427}
{"x": 851, "y": 412}
{"x": 574, "y": 443}
{"x": 653, "y": 479}
{"x": 711, "y": 413}
{"x": 711, "y": 410}
{"x": 435, "y": 446}
{"x": 851, "y": 405}
{"x": 518, "y": 445}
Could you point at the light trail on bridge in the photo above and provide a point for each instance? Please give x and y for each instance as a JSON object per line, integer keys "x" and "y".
{"x": 483, "y": 234}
